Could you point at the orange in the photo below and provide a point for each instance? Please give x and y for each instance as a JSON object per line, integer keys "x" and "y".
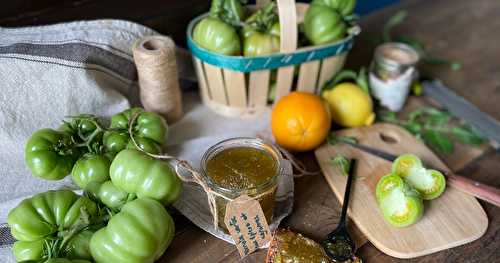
{"x": 300, "y": 121}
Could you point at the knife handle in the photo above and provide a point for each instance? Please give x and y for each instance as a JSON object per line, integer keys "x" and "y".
{"x": 484, "y": 192}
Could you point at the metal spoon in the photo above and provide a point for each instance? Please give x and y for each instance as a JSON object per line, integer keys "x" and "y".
{"x": 338, "y": 245}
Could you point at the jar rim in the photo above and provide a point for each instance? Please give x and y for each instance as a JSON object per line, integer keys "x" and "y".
{"x": 241, "y": 142}
{"x": 382, "y": 58}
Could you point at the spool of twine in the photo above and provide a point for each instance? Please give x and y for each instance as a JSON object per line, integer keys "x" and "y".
{"x": 154, "y": 58}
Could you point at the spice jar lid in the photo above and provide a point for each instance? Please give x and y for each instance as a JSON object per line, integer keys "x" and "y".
{"x": 394, "y": 56}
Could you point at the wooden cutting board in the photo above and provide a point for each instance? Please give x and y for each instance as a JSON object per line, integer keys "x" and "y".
{"x": 451, "y": 220}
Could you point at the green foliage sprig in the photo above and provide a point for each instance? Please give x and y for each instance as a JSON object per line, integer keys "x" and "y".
{"x": 436, "y": 128}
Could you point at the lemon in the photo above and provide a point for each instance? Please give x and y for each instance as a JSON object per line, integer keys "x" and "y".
{"x": 350, "y": 106}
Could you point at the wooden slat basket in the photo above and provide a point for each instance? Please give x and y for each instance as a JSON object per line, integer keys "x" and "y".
{"x": 238, "y": 86}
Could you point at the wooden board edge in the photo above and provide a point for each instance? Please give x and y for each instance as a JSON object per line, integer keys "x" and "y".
{"x": 394, "y": 253}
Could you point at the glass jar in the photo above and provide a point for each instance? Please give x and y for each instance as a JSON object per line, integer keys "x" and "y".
{"x": 242, "y": 166}
{"x": 392, "y": 72}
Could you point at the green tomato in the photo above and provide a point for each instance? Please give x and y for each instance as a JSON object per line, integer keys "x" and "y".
{"x": 323, "y": 25}
{"x": 90, "y": 168}
{"x": 147, "y": 125}
{"x": 45, "y": 214}
{"x": 50, "y": 154}
{"x": 137, "y": 173}
{"x": 429, "y": 183}
{"x": 28, "y": 250}
{"x": 65, "y": 260}
{"x": 78, "y": 246}
{"x": 145, "y": 144}
{"x": 108, "y": 194}
{"x": 140, "y": 233}
{"x": 400, "y": 204}
{"x": 405, "y": 163}
{"x": 259, "y": 44}
{"x": 115, "y": 141}
{"x": 344, "y": 7}
{"x": 217, "y": 36}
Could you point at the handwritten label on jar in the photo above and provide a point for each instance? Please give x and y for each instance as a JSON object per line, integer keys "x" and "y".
{"x": 247, "y": 224}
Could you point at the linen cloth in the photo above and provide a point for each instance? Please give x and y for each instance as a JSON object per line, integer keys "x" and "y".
{"x": 49, "y": 72}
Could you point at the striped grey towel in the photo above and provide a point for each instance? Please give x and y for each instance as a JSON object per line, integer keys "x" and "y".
{"x": 47, "y": 73}
{"x": 50, "y": 72}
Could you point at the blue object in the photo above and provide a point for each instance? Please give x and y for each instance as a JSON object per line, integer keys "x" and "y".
{"x": 249, "y": 64}
{"x": 364, "y": 7}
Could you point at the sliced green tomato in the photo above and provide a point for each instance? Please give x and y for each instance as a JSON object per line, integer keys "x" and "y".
{"x": 402, "y": 206}
{"x": 429, "y": 183}
{"x": 404, "y": 163}
{"x": 28, "y": 250}
{"x": 387, "y": 184}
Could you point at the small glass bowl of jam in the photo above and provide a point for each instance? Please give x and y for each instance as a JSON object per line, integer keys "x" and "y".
{"x": 242, "y": 166}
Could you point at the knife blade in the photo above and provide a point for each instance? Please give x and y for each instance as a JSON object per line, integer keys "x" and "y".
{"x": 485, "y": 124}
{"x": 479, "y": 190}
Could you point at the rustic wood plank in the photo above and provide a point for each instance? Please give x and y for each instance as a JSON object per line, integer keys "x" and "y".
{"x": 215, "y": 82}
{"x": 235, "y": 88}
{"x": 308, "y": 76}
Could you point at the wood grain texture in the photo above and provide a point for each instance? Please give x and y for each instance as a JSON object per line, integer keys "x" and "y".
{"x": 452, "y": 219}
{"x": 459, "y": 29}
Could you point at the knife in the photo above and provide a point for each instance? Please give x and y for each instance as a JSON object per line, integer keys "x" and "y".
{"x": 485, "y": 124}
{"x": 479, "y": 190}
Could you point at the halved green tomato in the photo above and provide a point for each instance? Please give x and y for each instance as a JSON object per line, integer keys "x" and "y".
{"x": 386, "y": 184}
{"x": 429, "y": 183}
{"x": 405, "y": 163}
{"x": 400, "y": 204}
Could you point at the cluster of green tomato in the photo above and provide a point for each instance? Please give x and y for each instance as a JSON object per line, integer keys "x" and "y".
{"x": 227, "y": 26}
{"x": 121, "y": 216}
{"x": 400, "y": 194}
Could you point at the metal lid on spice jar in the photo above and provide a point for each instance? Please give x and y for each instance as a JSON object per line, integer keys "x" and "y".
{"x": 395, "y": 57}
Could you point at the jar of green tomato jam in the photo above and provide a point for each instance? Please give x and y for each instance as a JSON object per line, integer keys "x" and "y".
{"x": 242, "y": 166}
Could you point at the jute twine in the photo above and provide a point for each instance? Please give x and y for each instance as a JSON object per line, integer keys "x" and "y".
{"x": 154, "y": 58}
{"x": 196, "y": 177}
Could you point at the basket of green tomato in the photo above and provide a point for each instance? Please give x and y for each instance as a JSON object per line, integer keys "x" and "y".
{"x": 247, "y": 57}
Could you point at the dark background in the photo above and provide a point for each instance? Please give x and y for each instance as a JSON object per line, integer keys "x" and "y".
{"x": 166, "y": 16}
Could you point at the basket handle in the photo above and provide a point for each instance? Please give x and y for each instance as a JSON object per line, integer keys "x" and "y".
{"x": 288, "y": 24}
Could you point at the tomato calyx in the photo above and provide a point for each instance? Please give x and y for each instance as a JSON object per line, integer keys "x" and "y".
{"x": 229, "y": 11}
{"x": 263, "y": 20}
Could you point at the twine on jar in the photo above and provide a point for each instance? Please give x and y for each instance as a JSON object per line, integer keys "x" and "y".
{"x": 196, "y": 176}
{"x": 156, "y": 64}
{"x": 296, "y": 163}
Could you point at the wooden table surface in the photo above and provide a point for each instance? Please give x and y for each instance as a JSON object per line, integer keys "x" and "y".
{"x": 459, "y": 29}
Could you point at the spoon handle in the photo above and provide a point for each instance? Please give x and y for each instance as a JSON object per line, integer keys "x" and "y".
{"x": 347, "y": 192}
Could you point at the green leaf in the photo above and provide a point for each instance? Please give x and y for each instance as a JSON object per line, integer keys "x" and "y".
{"x": 333, "y": 139}
{"x": 389, "y": 116}
{"x": 438, "y": 141}
{"x": 362, "y": 80}
{"x": 395, "y": 20}
{"x": 341, "y": 163}
{"x": 413, "y": 127}
{"x": 344, "y": 75}
{"x": 414, "y": 43}
{"x": 467, "y": 135}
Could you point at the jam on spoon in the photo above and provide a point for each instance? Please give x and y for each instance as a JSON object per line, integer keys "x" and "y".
{"x": 339, "y": 245}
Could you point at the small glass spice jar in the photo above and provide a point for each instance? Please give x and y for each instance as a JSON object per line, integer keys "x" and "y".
{"x": 392, "y": 73}
{"x": 242, "y": 166}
